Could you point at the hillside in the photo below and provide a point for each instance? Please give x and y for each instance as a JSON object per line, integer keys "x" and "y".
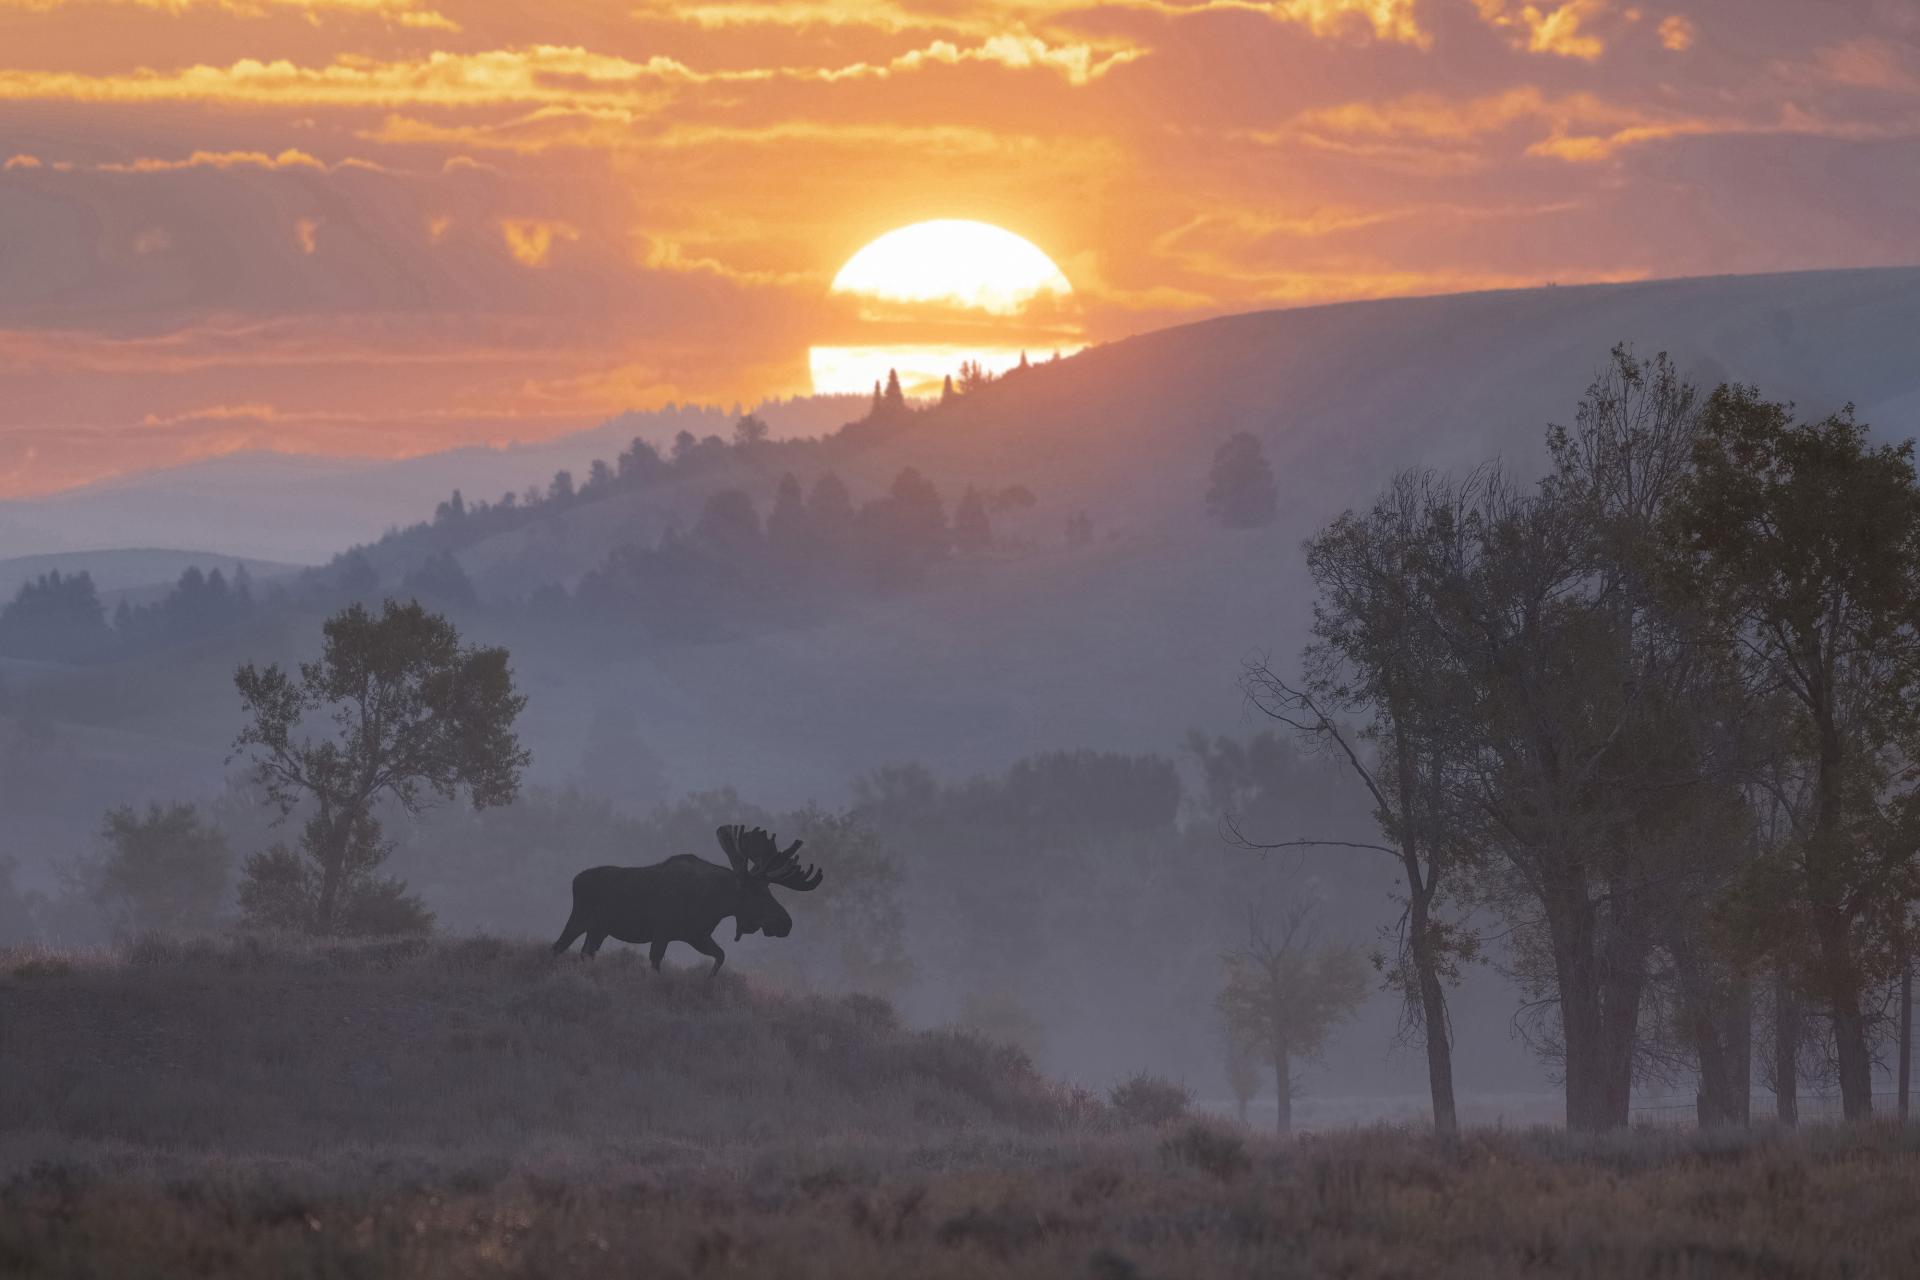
{"x": 476, "y": 1108}
{"x": 135, "y": 572}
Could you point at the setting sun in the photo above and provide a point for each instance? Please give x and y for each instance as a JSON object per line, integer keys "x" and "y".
{"x": 925, "y": 277}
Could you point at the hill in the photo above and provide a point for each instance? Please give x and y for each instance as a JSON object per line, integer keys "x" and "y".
{"x": 475, "y": 1108}
{"x": 134, "y": 572}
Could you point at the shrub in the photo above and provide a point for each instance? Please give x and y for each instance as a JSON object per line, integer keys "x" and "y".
{"x": 1147, "y": 1099}
{"x": 1210, "y": 1149}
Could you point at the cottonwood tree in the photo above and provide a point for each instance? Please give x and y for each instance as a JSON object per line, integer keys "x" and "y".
{"x": 411, "y": 713}
{"x": 1284, "y": 993}
{"x": 1377, "y": 657}
{"x": 1578, "y": 675}
{"x": 1803, "y": 540}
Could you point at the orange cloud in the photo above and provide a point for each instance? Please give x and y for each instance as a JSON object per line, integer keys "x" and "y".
{"x": 530, "y": 240}
{"x": 1677, "y": 34}
{"x": 1559, "y": 29}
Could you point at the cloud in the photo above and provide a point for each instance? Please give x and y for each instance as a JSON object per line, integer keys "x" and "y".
{"x": 1558, "y": 29}
{"x": 530, "y": 240}
{"x": 1677, "y": 34}
{"x": 405, "y": 13}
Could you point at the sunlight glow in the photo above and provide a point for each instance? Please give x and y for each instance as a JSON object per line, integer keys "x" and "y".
{"x": 923, "y": 367}
{"x": 951, "y": 261}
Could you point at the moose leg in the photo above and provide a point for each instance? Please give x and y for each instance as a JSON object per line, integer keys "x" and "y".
{"x": 594, "y": 939}
{"x": 570, "y": 934}
{"x": 657, "y": 952}
{"x": 708, "y": 947}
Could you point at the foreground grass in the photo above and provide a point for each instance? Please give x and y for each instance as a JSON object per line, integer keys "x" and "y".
{"x": 470, "y": 1109}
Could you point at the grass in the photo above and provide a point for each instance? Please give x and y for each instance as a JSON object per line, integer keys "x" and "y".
{"x": 474, "y": 1108}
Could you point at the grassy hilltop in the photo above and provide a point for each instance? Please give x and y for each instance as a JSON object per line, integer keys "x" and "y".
{"x": 472, "y": 1107}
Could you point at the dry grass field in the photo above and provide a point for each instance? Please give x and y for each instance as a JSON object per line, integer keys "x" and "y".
{"x": 474, "y": 1108}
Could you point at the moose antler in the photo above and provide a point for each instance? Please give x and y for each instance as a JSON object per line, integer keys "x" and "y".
{"x": 730, "y": 838}
{"x": 757, "y": 854}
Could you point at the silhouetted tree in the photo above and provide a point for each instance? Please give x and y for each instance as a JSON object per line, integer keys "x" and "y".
{"x": 1241, "y": 493}
{"x": 599, "y": 475}
{"x": 1803, "y": 541}
{"x": 415, "y": 713}
{"x": 440, "y": 580}
{"x": 730, "y": 524}
{"x": 452, "y": 511}
{"x": 1285, "y": 993}
{"x": 895, "y": 400}
{"x": 54, "y": 617}
{"x": 974, "y": 376}
{"x": 640, "y": 462}
{"x": 789, "y": 528}
{"x": 561, "y": 489}
{"x": 830, "y": 512}
{"x": 946, "y": 390}
{"x": 904, "y": 533}
{"x": 748, "y": 432}
{"x": 164, "y": 870}
{"x": 972, "y": 530}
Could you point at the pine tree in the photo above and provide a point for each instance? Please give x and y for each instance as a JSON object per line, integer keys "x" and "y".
{"x": 946, "y": 390}
{"x": 896, "y": 401}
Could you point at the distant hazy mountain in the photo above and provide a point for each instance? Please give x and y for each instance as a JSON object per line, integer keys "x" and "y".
{"x": 300, "y": 508}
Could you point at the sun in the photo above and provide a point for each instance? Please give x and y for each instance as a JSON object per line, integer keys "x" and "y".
{"x": 937, "y": 294}
{"x": 951, "y": 261}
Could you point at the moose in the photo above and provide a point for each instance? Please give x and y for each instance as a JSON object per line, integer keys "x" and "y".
{"x": 685, "y": 898}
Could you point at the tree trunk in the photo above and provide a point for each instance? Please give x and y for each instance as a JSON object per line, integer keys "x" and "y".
{"x": 1786, "y": 1050}
{"x": 1906, "y": 1034}
{"x": 1282, "y": 1091}
{"x": 1723, "y": 1032}
{"x": 1855, "y": 1059}
{"x": 1433, "y": 1017}
{"x": 333, "y": 859}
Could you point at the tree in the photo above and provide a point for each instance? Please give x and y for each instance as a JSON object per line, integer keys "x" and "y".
{"x": 972, "y": 530}
{"x": 1375, "y": 656}
{"x": 749, "y": 432}
{"x": 789, "y": 528}
{"x": 904, "y": 533}
{"x": 1241, "y": 493}
{"x": 413, "y": 714}
{"x": 640, "y": 462}
{"x": 1284, "y": 994}
{"x": 165, "y": 870}
{"x": 599, "y": 475}
{"x": 561, "y": 489}
{"x": 974, "y": 376}
{"x": 441, "y": 580}
{"x": 895, "y": 399}
{"x": 54, "y": 617}
{"x": 1803, "y": 542}
{"x": 946, "y": 390}
{"x": 730, "y": 524}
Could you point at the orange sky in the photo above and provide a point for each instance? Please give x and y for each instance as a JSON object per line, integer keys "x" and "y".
{"x": 388, "y": 226}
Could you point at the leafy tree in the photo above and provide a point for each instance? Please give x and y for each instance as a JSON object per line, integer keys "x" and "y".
{"x": 972, "y": 530}
{"x": 561, "y": 489}
{"x": 1375, "y": 657}
{"x": 413, "y": 714}
{"x": 748, "y": 432}
{"x": 1803, "y": 542}
{"x": 281, "y": 889}
{"x": 452, "y": 511}
{"x": 164, "y": 870}
{"x": 599, "y": 475}
{"x": 905, "y": 533}
{"x": 1241, "y": 493}
{"x": 1284, "y": 995}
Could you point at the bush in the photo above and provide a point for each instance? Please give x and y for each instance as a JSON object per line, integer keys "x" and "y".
{"x": 1210, "y": 1149}
{"x": 1147, "y": 1099}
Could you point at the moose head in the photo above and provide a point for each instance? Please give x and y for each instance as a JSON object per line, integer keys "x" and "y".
{"x": 761, "y": 863}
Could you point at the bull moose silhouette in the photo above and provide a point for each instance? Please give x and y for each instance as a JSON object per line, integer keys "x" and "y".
{"x": 685, "y": 898}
